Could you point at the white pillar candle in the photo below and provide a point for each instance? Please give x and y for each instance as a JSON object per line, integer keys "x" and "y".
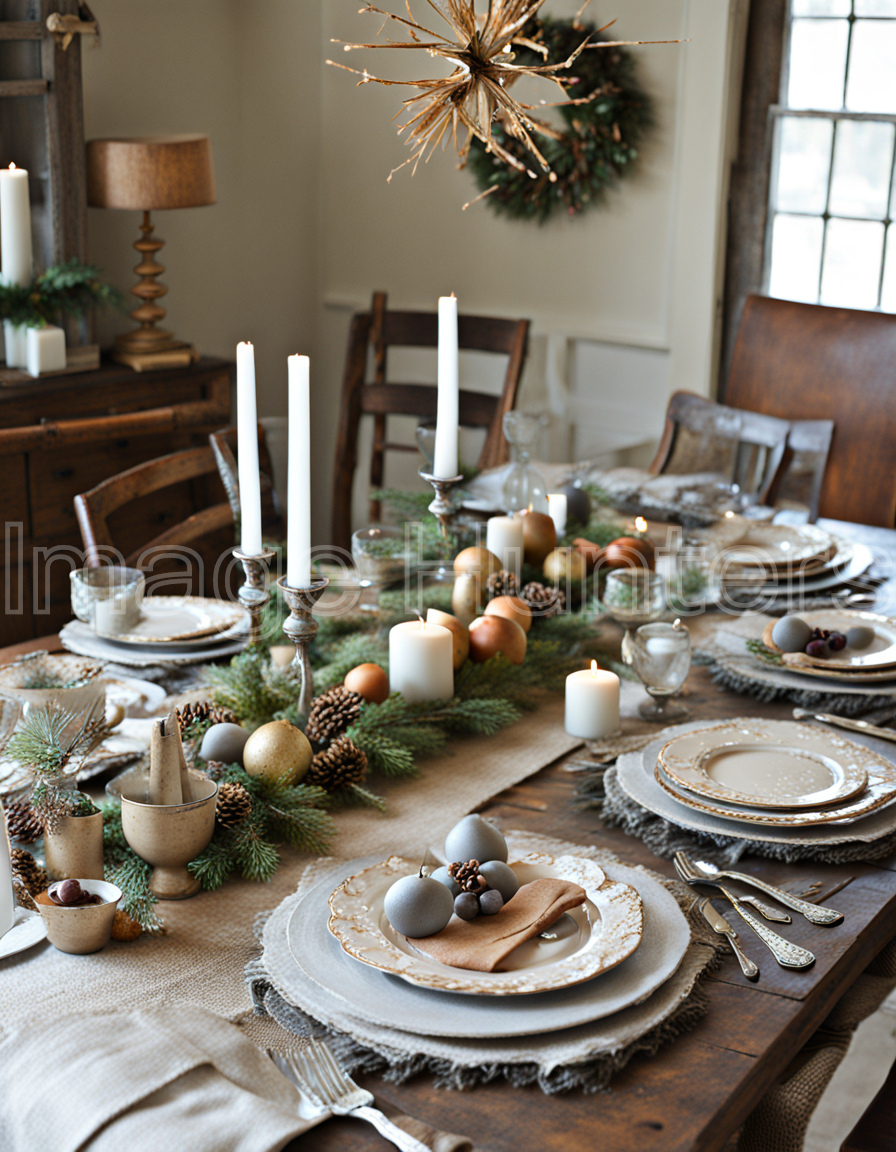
{"x": 298, "y": 545}
{"x": 15, "y": 250}
{"x": 7, "y": 899}
{"x": 16, "y": 344}
{"x": 44, "y": 350}
{"x": 557, "y": 510}
{"x": 504, "y": 538}
{"x": 247, "y": 451}
{"x": 592, "y": 703}
{"x": 445, "y": 463}
{"x": 421, "y": 661}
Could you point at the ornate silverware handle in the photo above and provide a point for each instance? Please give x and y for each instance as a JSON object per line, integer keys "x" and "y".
{"x": 401, "y": 1139}
{"x": 749, "y": 969}
{"x": 788, "y": 955}
{"x": 812, "y": 912}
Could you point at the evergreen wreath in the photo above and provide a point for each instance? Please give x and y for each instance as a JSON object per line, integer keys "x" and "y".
{"x": 602, "y": 133}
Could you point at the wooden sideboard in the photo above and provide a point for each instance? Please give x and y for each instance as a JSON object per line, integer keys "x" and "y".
{"x": 60, "y": 436}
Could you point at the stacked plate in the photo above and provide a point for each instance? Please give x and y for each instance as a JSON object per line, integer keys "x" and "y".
{"x": 171, "y": 630}
{"x": 786, "y": 561}
{"x": 765, "y": 779}
{"x": 331, "y": 951}
{"x": 874, "y": 662}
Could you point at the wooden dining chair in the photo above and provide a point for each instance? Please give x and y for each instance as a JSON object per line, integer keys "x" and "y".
{"x": 169, "y": 516}
{"x": 808, "y": 362}
{"x": 379, "y": 330}
{"x": 800, "y": 475}
{"x": 747, "y": 448}
{"x": 224, "y": 445}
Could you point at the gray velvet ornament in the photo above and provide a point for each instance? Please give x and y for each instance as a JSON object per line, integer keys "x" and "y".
{"x": 441, "y": 874}
{"x": 791, "y": 634}
{"x": 474, "y": 839}
{"x": 224, "y": 742}
{"x": 418, "y": 906}
{"x": 501, "y": 877}
{"x": 859, "y": 637}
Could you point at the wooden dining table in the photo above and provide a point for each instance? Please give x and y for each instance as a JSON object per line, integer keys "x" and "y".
{"x": 695, "y": 1093}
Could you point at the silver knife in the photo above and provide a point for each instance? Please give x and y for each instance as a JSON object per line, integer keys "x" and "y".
{"x": 719, "y": 924}
{"x": 845, "y": 722}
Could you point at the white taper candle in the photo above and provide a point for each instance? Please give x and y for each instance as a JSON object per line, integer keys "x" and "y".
{"x": 298, "y": 544}
{"x": 445, "y": 463}
{"x": 247, "y": 451}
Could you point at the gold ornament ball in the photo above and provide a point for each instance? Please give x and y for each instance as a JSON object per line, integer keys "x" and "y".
{"x": 460, "y": 633}
{"x": 466, "y": 597}
{"x": 539, "y": 536}
{"x": 276, "y": 750}
{"x": 513, "y": 608}
{"x": 477, "y": 561}
{"x": 369, "y": 681}
{"x": 565, "y": 565}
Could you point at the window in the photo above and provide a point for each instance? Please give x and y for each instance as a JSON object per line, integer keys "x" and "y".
{"x": 830, "y": 232}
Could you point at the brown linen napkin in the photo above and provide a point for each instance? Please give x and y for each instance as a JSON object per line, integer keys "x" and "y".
{"x": 482, "y": 944}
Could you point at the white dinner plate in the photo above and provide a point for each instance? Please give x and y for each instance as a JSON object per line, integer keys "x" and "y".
{"x": 879, "y": 655}
{"x": 780, "y": 547}
{"x": 607, "y": 928}
{"x": 80, "y": 638}
{"x": 29, "y": 929}
{"x": 172, "y": 619}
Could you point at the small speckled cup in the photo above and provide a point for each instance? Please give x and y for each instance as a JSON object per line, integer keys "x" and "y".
{"x": 82, "y": 929}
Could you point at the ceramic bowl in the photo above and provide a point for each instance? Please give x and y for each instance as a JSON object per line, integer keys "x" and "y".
{"x": 82, "y": 929}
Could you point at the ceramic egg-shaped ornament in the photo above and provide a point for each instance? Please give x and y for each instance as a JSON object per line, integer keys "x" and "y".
{"x": 370, "y": 681}
{"x": 418, "y": 906}
{"x": 859, "y": 637}
{"x": 475, "y": 839}
{"x": 578, "y": 504}
{"x": 501, "y": 877}
{"x": 224, "y": 742}
{"x": 444, "y": 877}
{"x": 791, "y": 634}
{"x": 278, "y": 751}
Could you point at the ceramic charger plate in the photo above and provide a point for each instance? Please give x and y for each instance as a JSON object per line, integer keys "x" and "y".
{"x": 781, "y": 547}
{"x": 879, "y": 655}
{"x": 767, "y": 764}
{"x": 607, "y": 928}
{"x": 79, "y": 637}
{"x": 166, "y": 619}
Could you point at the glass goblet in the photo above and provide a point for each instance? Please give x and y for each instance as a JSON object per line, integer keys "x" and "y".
{"x": 661, "y": 656}
{"x": 632, "y": 597}
{"x": 380, "y": 554}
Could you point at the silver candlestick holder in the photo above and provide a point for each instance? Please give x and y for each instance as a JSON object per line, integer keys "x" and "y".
{"x": 443, "y": 506}
{"x": 254, "y": 594}
{"x": 301, "y": 628}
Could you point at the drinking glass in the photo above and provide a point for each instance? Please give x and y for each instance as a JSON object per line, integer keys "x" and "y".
{"x": 108, "y": 598}
{"x": 661, "y": 656}
{"x": 694, "y": 577}
{"x": 381, "y": 557}
{"x": 524, "y": 486}
{"x": 633, "y": 596}
{"x": 425, "y": 435}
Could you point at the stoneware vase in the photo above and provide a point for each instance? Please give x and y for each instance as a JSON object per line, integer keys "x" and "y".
{"x": 82, "y": 929}
{"x": 169, "y": 836}
{"x": 75, "y": 849}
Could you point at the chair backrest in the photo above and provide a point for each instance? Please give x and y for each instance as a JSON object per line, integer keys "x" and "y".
{"x": 224, "y": 446}
{"x": 801, "y": 474}
{"x": 181, "y": 490}
{"x": 805, "y": 362}
{"x": 381, "y": 330}
{"x": 745, "y": 447}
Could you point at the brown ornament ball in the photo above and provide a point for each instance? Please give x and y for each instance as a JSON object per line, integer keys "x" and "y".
{"x": 278, "y": 750}
{"x": 539, "y": 536}
{"x": 492, "y": 634}
{"x": 369, "y": 681}
{"x": 466, "y": 597}
{"x": 512, "y": 608}
{"x": 565, "y": 566}
{"x": 460, "y": 633}
{"x": 593, "y": 553}
{"x": 476, "y": 561}
{"x": 125, "y": 928}
{"x": 629, "y": 552}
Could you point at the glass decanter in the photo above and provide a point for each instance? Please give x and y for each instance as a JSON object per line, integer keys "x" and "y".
{"x": 524, "y": 486}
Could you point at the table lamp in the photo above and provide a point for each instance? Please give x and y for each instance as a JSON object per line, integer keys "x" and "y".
{"x": 145, "y": 174}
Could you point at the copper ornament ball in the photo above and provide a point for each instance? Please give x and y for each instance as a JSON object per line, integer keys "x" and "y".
{"x": 490, "y": 635}
{"x": 512, "y": 608}
{"x": 630, "y": 552}
{"x": 539, "y": 536}
{"x": 369, "y": 681}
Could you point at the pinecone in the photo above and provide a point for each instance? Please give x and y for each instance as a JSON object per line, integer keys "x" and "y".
{"x": 544, "y": 600}
{"x": 28, "y": 872}
{"x": 203, "y": 712}
{"x": 22, "y": 822}
{"x": 502, "y": 583}
{"x": 466, "y": 874}
{"x": 234, "y": 804}
{"x": 340, "y": 766}
{"x": 124, "y": 927}
{"x": 23, "y": 896}
{"x": 332, "y": 713}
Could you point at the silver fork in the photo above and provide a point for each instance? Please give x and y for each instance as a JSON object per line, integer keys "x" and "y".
{"x": 812, "y": 912}
{"x": 787, "y": 955}
{"x": 313, "y": 1069}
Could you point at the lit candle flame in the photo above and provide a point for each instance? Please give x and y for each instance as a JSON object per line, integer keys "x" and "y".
{"x": 640, "y": 524}
{"x": 594, "y": 668}
{"x": 11, "y": 167}
{"x": 677, "y": 624}
{"x": 729, "y": 515}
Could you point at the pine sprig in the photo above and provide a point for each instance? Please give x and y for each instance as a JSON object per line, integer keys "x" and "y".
{"x": 125, "y": 869}
{"x": 252, "y": 687}
{"x": 385, "y": 755}
{"x": 49, "y": 741}
{"x": 68, "y": 289}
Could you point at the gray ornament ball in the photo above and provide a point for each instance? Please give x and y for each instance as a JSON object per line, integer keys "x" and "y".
{"x": 859, "y": 637}
{"x": 791, "y": 634}
{"x": 441, "y": 874}
{"x": 491, "y": 902}
{"x": 418, "y": 906}
{"x": 474, "y": 839}
{"x": 578, "y": 504}
{"x": 224, "y": 742}
{"x": 466, "y": 906}
{"x": 501, "y": 877}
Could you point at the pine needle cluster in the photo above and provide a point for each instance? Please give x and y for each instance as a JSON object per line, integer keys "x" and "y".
{"x": 51, "y": 743}
{"x": 68, "y": 289}
{"x": 125, "y": 869}
{"x": 252, "y": 687}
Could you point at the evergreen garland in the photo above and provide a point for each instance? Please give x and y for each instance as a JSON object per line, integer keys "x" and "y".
{"x": 600, "y": 140}
{"x": 63, "y": 290}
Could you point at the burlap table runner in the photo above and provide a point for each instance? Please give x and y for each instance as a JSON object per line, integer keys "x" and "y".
{"x": 210, "y": 937}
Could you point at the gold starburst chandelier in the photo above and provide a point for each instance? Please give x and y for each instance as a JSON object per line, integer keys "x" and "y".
{"x": 476, "y": 94}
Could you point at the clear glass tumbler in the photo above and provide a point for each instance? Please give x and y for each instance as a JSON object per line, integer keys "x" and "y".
{"x": 661, "y": 656}
{"x": 632, "y": 597}
{"x": 381, "y": 557}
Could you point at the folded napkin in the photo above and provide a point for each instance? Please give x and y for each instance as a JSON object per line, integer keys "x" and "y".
{"x": 482, "y": 944}
{"x": 175, "y": 1076}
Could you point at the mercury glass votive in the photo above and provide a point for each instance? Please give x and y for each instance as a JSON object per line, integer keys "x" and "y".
{"x": 661, "y": 656}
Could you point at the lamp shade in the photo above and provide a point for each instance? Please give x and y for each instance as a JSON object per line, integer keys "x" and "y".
{"x": 150, "y": 172}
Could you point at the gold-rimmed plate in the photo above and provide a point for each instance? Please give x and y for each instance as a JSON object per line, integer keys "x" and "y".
{"x": 604, "y": 930}
{"x": 780, "y": 547}
{"x": 768, "y": 764}
{"x": 179, "y": 619}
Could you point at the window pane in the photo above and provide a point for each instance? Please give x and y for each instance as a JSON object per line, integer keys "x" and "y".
{"x": 863, "y": 159}
{"x": 796, "y": 258}
{"x": 872, "y": 67}
{"x": 820, "y": 7}
{"x": 852, "y": 255}
{"x": 804, "y": 157}
{"x": 888, "y": 293}
{"x": 874, "y": 7}
{"x": 817, "y": 63}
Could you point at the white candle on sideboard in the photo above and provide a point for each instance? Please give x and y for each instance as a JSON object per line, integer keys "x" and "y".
{"x": 445, "y": 464}
{"x": 44, "y": 349}
{"x": 504, "y": 538}
{"x": 557, "y": 509}
{"x": 298, "y": 542}
{"x": 421, "y": 661}
{"x": 592, "y": 703}
{"x": 15, "y": 226}
{"x": 247, "y": 451}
